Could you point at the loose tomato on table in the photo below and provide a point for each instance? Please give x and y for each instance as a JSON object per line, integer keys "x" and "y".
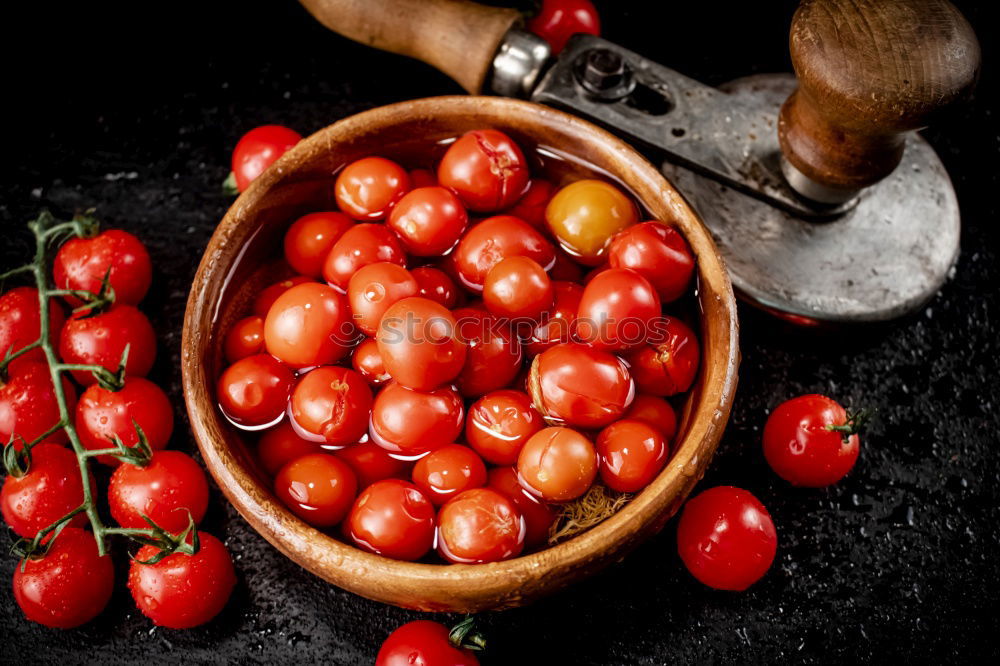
{"x": 618, "y": 310}
{"x": 436, "y": 285}
{"x": 368, "y": 362}
{"x": 258, "y": 149}
{"x": 28, "y": 406}
{"x": 556, "y": 325}
{"x": 269, "y": 294}
{"x": 518, "y": 288}
{"x": 486, "y": 169}
{"x": 531, "y": 206}
{"x": 331, "y": 404}
{"x": 245, "y": 338}
{"x": 429, "y": 221}
{"x": 424, "y": 643}
{"x": 419, "y": 342}
{"x": 557, "y": 464}
{"x": 318, "y": 488}
{"x": 254, "y": 391}
{"x": 585, "y": 215}
{"x": 392, "y": 518}
{"x": 361, "y": 245}
{"x": 480, "y": 525}
{"x": 410, "y": 423}
{"x": 102, "y": 414}
{"x": 372, "y": 463}
{"x": 580, "y": 386}
{"x": 82, "y": 263}
{"x": 445, "y": 472}
{"x": 309, "y": 239}
{"x": 558, "y": 20}
{"x": 538, "y": 516}
{"x": 670, "y": 364}
{"x": 20, "y": 324}
{"x": 500, "y": 423}
{"x": 50, "y": 490}
{"x": 374, "y": 289}
{"x": 168, "y": 489}
{"x": 493, "y": 356}
{"x": 657, "y": 252}
{"x": 369, "y": 188}
{"x": 280, "y": 445}
{"x": 310, "y": 324}
{"x": 631, "y": 454}
{"x": 495, "y": 238}
{"x": 655, "y": 411}
{"x": 101, "y": 340}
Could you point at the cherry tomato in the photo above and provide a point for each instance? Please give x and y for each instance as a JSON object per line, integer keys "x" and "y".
{"x": 531, "y": 206}
{"x": 310, "y": 324}
{"x": 419, "y": 343}
{"x": 493, "y": 239}
{"x": 556, "y": 325}
{"x": 558, "y": 20}
{"x": 494, "y": 353}
{"x": 565, "y": 268}
{"x": 318, "y": 488}
{"x": 20, "y": 324}
{"x": 245, "y": 338}
{"x": 254, "y": 391}
{"x": 410, "y": 423}
{"x": 101, "y": 340}
{"x": 260, "y": 148}
{"x": 28, "y": 406}
{"x": 69, "y": 586}
{"x": 657, "y": 252}
{"x": 51, "y": 489}
{"x": 165, "y": 490}
{"x": 423, "y": 643}
{"x": 517, "y": 288}
{"x": 429, "y": 221}
{"x": 667, "y": 367}
{"x": 435, "y": 284}
{"x": 422, "y": 178}
{"x": 500, "y": 423}
{"x": 309, "y": 239}
{"x": 811, "y": 441}
{"x": 726, "y": 538}
{"x": 557, "y": 464}
{"x": 444, "y": 473}
{"x": 101, "y": 414}
{"x": 372, "y": 463}
{"x": 374, "y": 289}
{"x": 538, "y": 516}
{"x": 368, "y": 363}
{"x": 631, "y": 453}
{"x": 581, "y": 386}
{"x": 480, "y": 525}
{"x": 361, "y": 245}
{"x": 332, "y": 403}
{"x": 266, "y": 298}
{"x": 585, "y": 215}
{"x": 486, "y": 169}
{"x": 280, "y": 445}
{"x": 183, "y": 591}
{"x": 655, "y": 411}
{"x": 82, "y": 263}
{"x": 618, "y": 310}
{"x": 392, "y": 518}
{"x": 369, "y": 188}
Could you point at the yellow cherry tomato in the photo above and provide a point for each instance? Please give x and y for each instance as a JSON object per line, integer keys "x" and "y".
{"x": 584, "y": 216}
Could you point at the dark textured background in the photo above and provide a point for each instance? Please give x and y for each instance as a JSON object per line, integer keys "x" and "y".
{"x": 133, "y": 108}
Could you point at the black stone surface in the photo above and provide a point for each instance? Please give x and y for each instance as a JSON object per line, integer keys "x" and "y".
{"x": 133, "y": 108}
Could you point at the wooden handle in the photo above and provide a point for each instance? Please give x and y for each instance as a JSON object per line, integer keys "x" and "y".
{"x": 457, "y": 37}
{"x": 869, "y": 71}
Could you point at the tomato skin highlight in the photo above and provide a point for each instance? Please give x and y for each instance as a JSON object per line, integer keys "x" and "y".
{"x": 561, "y": 372}
{"x": 419, "y": 344}
{"x": 657, "y": 252}
{"x": 585, "y": 215}
{"x": 392, "y": 518}
{"x": 667, "y": 367}
{"x": 101, "y": 414}
{"x": 493, "y": 355}
{"x": 448, "y": 471}
{"x": 258, "y": 149}
{"x": 480, "y": 525}
{"x": 617, "y": 311}
{"x": 374, "y": 289}
{"x": 310, "y": 324}
{"x": 500, "y": 423}
{"x": 409, "y": 423}
{"x": 254, "y": 391}
{"x": 558, "y": 20}
{"x": 280, "y": 445}
{"x": 486, "y": 169}
{"x": 20, "y": 325}
{"x": 631, "y": 454}
{"x": 51, "y": 489}
{"x": 69, "y": 586}
{"x": 309, "y": 239}
{"x": 495, "y": 238}
{"x": 799, "y": 447}
{"x": 332, "y": 403}
{"x": 429, "y": 221}
{"x": 367, "y": 189}
{"x": 557, "y": 464}
{"x": 361, "y": 245}
{"x": 101, "y": 340}
{"x": 170, "y": 483}
{"x": 28, "y": 407}
{"x": 538, "y": 516}
{"x": 318, "y": 488}
{"x": 423, "y": 643}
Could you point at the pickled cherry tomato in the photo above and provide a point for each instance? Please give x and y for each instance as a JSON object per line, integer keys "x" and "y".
{"x": 269, "y": 294}
{"x": 496, "y": 238}
{"x": 811, "y": 441}
{"x": 419, "y": 344}
{"x": 448, "y": 471}
{"x": 361, "y": 245}
{"x": 500, "y": 423}
{"x": 557, "y": 464}
{"x": 429, "y": 221}
{"x": 486, "y": 169}
{"x": 538, "y": 516}
{"x": 436, "y": 285}
{"x": 318, "y": 488}
{"x": 368, "y": 188}
{"x": 585, "y": 215}
{"x": 245, "y": 338}
{"x": 631, "y": 453}
{"x": 517, "y": 288}
{"x": 531, "y": 206}
{"x": 374, "y": 289}
{"x": 494, "y": 352}
{"x": 310, "y": 324}
{"x": 410, "y": 423}
{"x": 332, "y": 403}
{"x": 657, "y": 252}
{"x": 392, "y": 518}
{"x": 480, "y": 525}
{"x": 280, "y": 445}
{"x": 655, "y": 411}
{"x": 669, "y": 366}
{"x": 368, "y": 362}
{"x": 557, "y": 324}
{"x": 422, "y": 178}
{"x": 309, "y": 239}
{"x": 565, "y": 268}
{"x": 581, "y": 386}
{"x": 372, "y": 463}
{"x": 254, "y": 390}
{"x": 617, "y": 311}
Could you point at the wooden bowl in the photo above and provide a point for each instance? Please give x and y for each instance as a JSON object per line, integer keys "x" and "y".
{"x": 249, "y": 237}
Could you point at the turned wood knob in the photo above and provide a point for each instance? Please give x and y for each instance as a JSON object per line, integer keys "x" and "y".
{"x": 869, "y": 72}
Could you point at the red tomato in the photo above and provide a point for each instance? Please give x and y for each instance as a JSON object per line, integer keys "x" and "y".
{"x": 558, "y": 20}
{"x": 655, "y": 411}
{"x": 372, "y": 463}
{"x": 811, "y": 441}
{"x": 531, "y": 206}
{"x": 565, "y": 268}
{"x": 318, "y": 488}
{"x": 260, "y": 148}
{"x": 726, "y": 538}
{"x": 28, "y": 406}
{"x": 518, "y": 288}
{"x": 494, "y": 353}
{"x": 332, "y": 403}
{"x": 557, "y": 324}
{"x": 183, "y": 591}
{"x": 245, "y": 338}
{"x": 499, "y": 424}
{"x": 480, "y": 525}
{"x": 419, "y": 344}
{"x": 368, "y": 362}
{"x": 254, "y": 391}
{"x": 309, "y": 239}
{"x": 429, "y": 221}
{"x": 422, "y": 178}
{"x": 266, "y": 298}
{"x": 369, "y": 188}
{"x": 170, "y": 483}
{"x": 435, "y": 284}
{"x": 657, "y": 252}
{"x": 101, "y": 340}
{"x": 493, "y": 239}
{"x": 310, "y": 324}
{"x": 538, "y": 516}
{"x": 631, "y": 453}
{"x": 618, "y": 310}
{"x": 669, "y": 366}
{"x": 51, "y": 489}
{"x": 448, "y": 471}
{"x": 280, "y": 445}
{"x": 423, "y": 643}
{"x": 361, "y": 245}
{"x": 486, "y": 169}
{"x": 69, "y": 586}
{"x": 20, "y": 325}
{"x": 392, "y": 518}
{"x": 581, "y": 386}
{"x": 374, "y": 289}
{"x": 585, "y": 215}
{"x": 100, "y": 414}
{"x": 411, "y": 423}
{"x": 82, "y": 263}
{"x": 557, "y": 464}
